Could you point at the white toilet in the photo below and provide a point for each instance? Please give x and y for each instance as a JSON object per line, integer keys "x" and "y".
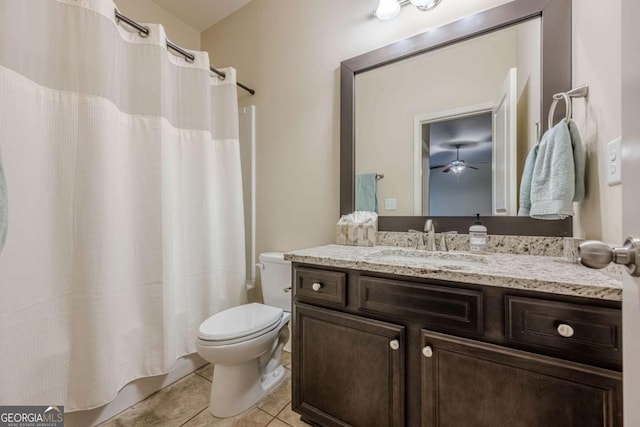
{"x": 245, "y": 342}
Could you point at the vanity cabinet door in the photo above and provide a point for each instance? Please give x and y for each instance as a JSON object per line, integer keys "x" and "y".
{"x": 347, "y": 370}
{"x": 474, "y": 384}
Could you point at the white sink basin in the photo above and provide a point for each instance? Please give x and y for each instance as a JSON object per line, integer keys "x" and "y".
{"x": 433, "y": 259}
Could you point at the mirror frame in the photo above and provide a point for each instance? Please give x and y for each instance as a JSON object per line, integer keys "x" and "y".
{"x": 555, "y": 18}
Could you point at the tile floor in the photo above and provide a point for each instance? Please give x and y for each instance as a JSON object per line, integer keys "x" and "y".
{"x": 186, "y": 403}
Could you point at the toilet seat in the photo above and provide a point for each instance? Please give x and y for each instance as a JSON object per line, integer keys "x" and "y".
{"x": 239, "y": 324}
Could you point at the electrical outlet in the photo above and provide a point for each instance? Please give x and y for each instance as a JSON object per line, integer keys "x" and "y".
{"x": 614, "y": 162}
{"x": 390, "y": 204}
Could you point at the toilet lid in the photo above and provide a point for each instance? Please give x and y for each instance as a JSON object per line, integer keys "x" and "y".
{"x": 239, "y": 321}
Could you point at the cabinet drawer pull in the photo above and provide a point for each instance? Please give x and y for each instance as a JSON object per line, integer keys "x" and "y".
{"x": 316, "y": 286}
{"x": 565, "y": 330}
{"x": 287, "y": 289}
{"x": 427, "y": 351}
{"x": 394, "y": 344}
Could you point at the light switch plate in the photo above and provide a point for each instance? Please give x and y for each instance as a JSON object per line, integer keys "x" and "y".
{"x": 614, "y": 162}
{"x": 390, "y": 204}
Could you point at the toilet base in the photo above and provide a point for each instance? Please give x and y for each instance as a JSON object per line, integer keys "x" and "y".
{"x": 236, "y": 388}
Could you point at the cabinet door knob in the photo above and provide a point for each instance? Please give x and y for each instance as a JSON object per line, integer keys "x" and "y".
{"x": 427, "y": 351}
{"x": 316, "y": 286}
{"x": 394, "y": 344}
{"x": 287, "y": 289}
{"x": 565, "y": 330}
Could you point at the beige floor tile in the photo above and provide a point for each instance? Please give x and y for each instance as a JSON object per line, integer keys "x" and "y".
{"x": 206, "y": 371}
{"x": 253, "y": 417}
{"x": 286, "y": 359}
{"x": 124, "y": 419}
{"x": 278, "y": 398}
{"x": 170, "y": 407}
{"x": 277, "y": 423}
{"x": 290, "y": 417}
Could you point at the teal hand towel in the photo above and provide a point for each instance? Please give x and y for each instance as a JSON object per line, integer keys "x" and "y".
{"x": 553, "y": 182}
{"x": 4, "y": 208}
{"x": 525, "y": 182}
{"x": 367, "y": 192}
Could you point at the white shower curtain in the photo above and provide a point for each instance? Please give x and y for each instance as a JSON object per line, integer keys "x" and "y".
{"x": 125, "y": 202}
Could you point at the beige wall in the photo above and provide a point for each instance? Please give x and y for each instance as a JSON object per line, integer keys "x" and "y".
{"x": 146, "y": 11}
{"x": 388, "y": 99}
{"x": 290, "y": 52}
{"x": 597, "y": 61}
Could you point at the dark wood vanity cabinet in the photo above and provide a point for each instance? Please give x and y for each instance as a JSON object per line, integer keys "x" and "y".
{"x": 350, "y": 370}
{"x": 379, "y": 350}
{"x": 471, "y": 383}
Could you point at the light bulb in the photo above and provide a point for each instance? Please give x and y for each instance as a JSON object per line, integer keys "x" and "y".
{"x": 425, "y": 5}
{"x": 387, "y": 9}
{"x": 457, "y": 166}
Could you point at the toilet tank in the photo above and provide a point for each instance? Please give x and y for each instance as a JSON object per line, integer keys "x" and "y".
{"x": 276, "y": 278}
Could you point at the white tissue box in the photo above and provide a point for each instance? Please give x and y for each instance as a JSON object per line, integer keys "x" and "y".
{"x": 357, "y": 229}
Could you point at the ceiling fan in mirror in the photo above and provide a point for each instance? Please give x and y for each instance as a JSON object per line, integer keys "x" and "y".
{"x": 455, "y": 166}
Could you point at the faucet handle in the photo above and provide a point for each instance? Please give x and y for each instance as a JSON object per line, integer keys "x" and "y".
{"x": 443, "y": 240}
{"x": 419, "y": 239}
{"x": 428, "y": 225}
{"x": 443, "y": 243}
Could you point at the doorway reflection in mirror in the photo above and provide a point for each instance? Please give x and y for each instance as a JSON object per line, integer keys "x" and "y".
{"x": 457, "y": 166}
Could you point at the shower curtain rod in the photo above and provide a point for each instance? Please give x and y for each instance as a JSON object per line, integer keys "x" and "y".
{"x": 144, "y": 32}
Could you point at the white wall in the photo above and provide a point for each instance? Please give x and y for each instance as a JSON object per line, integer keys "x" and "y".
{"x": 146, "y": 11}
{"x": 290, "y": 52}
{"x": 597, "y": 61}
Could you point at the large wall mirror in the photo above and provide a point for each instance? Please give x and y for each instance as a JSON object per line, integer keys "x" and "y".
{"x": 443, "y": 121}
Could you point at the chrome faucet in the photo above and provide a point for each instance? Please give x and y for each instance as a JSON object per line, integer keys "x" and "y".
{"x": 430, "y": 229}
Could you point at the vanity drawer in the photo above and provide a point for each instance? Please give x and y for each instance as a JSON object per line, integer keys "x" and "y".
{"x": 320, "y": 285}
{"x": 437, "y": 307}
{"x": 579, "y": 331}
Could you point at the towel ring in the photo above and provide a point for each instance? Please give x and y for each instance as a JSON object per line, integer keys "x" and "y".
{"x": 552, "y": 110}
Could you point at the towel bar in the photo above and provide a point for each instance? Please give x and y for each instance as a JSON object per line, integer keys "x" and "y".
{"x": 577, "y": 92}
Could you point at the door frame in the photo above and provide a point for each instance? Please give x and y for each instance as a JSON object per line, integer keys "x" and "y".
{"x": 430, "y": 118}
{"x": 630, "y": 67}
{"x": 509, "y": 183}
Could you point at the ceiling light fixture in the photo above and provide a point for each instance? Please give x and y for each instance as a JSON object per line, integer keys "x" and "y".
{"x": 425, "y": 5}
{"x": 389, "y": 9}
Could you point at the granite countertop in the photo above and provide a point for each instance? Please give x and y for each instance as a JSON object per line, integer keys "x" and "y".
{"x": 536, "y": 273}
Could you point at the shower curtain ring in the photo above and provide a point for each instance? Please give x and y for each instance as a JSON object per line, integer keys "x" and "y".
{"x": 142, "y": 30}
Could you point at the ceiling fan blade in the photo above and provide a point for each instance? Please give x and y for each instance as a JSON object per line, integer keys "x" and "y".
{"x": 471, "y": 167}
{"x": 448, "y": 168}
{"x": 440, "y": 166}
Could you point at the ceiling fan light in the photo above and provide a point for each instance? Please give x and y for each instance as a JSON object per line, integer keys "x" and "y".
{"x": 388, "y": 9}
{"x": 425, "y": 5}
{"x": 458, "y": 168}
